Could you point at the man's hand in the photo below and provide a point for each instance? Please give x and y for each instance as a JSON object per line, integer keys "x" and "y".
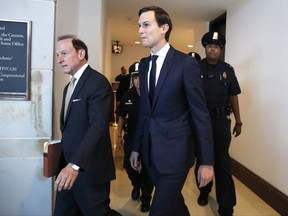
{"x": 135, "y": 162}
{"x": 66, "y": 178}
{"x": 204, "y": 175}
{"x": 237, "y": 130}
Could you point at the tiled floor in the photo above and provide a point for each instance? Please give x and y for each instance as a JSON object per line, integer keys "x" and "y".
{"x": 248, "y": 204}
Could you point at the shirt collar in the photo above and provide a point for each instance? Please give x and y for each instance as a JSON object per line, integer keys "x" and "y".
{"x": 163, "y": 52}
{"x": 79, "y": 73}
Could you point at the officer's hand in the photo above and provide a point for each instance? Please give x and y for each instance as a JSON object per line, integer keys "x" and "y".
{"x": 237, "y": 130}
{"x": 120, "y": 142}
{"x": 66, "y": 178}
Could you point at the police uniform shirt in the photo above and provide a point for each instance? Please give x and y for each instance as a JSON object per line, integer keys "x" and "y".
{"x": 129, "y": 107}
{"x": 123, "y": 86}
{"x": 220, "y": 82}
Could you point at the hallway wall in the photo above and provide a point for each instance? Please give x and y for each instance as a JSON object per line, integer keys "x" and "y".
{"x": 26, "y": 124}
{"x": 257, "y": 49}
{"x": 89, "y": 24}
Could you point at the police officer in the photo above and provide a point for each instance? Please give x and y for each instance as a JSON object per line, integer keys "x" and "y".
{"x": 221, "y": 89}
{"x": 128, "y": 115}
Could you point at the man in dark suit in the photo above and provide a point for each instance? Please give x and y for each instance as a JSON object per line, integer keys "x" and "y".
{"x": 171, "y": 120}
{"x": 87, "y": 167}
{"x": 124, "y": 85}
{"x": 123, "y": 73}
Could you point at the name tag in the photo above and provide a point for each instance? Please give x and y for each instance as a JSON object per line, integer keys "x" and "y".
{"x": 129, "y": 102}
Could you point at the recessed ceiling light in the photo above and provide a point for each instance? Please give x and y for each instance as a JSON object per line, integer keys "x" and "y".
{"x": 137, "y": 42}
{"x": 190, "y": 46}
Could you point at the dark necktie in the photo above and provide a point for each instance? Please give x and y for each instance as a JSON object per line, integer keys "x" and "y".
{"x": 152, "y": 79}
{"x": 69, "y": 93}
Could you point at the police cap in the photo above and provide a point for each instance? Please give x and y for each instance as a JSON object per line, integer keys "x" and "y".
{"x": 195, "y": 55}
{"x": 133, "y": 69}
{"x": 213, "y": 38}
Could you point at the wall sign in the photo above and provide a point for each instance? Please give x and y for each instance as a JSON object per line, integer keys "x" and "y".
{"x": 15, "y": 46}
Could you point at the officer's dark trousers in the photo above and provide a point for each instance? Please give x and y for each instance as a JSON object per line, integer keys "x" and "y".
{"x": 225, "y": 189}
{"x": 140, "y": 180}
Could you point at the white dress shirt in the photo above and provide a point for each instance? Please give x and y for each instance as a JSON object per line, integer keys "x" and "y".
{"x": 159, "y": 62}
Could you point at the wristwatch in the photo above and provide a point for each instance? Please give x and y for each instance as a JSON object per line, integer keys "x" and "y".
{"x": 74, "y": 166}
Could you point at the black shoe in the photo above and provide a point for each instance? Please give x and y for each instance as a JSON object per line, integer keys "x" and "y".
{"x": 225, "y": 211}
{"x": 145, "y": 207}
{"x": 135, "y": 193}
{"x": 203, "y": 199}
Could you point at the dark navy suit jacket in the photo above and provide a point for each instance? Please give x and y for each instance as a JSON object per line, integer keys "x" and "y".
{"x": 85, "y": 131}
{"x": 177, "y": 119}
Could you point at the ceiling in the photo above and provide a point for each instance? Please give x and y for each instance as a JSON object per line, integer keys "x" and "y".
{"x": 185, "y": 15}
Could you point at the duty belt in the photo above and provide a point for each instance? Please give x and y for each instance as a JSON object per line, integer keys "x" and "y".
{"x": 220, "y": 112}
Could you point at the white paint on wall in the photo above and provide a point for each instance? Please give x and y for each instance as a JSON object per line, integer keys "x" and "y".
{"x": 25, "y": 125}
{"x": 256, "y": 46}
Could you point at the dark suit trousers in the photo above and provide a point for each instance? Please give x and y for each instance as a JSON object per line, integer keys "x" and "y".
{"x": 168, "y": 199}
{"x": 83, "y": 200}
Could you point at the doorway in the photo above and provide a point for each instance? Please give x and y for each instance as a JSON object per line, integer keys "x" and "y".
{"x": 219, "y": 25}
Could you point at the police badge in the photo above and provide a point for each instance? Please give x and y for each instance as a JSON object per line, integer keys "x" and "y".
{"x": 224, "y": 75}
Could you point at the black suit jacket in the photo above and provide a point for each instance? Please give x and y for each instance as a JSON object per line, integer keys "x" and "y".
{"x": 176, "y": 119}
{"x": 85, "y": 131}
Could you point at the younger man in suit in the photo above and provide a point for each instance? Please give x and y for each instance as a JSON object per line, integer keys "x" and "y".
{"x": 172, "y": 115}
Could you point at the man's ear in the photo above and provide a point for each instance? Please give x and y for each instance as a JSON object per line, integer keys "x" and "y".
{"x": 165, "y": 28}
{"x": 81, "y": 53}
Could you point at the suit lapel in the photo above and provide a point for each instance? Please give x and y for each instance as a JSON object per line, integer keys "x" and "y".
{"x": 62, "y": 108}
{"x": 77, "y": 89}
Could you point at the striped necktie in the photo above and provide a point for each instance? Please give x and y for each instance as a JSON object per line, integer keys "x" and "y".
{"x": 68, "y": 94}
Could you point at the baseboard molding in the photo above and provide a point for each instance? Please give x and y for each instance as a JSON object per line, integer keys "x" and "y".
{"x": 271, "y": 195}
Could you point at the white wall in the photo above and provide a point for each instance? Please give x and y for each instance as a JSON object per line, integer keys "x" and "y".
{"x": 200, "y": 30}
{"x": 193, "y": 33}
{"x": 65, "y": 24}
{"x": 257, "y": 48}
{"x": 25, "y": 125}
{"x": 84, "y": 19}
{"x": 90, "y": 29}
{"x": 129, "y": 55}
